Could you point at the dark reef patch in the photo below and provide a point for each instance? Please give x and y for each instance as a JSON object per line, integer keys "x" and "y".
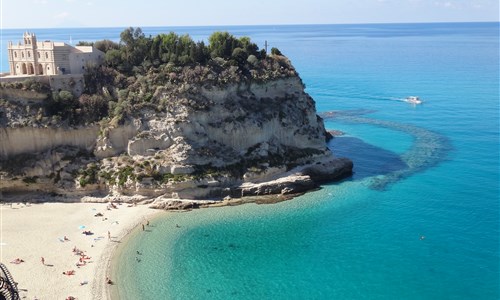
{"x": 428, "y": 149}
{"x": 369, "y": 160}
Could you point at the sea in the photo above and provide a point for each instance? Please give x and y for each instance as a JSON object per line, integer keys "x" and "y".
{"x": 419, "y": 218}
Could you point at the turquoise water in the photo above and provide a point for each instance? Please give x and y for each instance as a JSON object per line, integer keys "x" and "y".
{"x": 430, "y": 171}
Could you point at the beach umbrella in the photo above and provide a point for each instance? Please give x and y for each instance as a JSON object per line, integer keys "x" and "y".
{"x": 81, "y": 227}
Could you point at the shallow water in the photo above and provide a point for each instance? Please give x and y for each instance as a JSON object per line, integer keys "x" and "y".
{"x": 419, "y": 219}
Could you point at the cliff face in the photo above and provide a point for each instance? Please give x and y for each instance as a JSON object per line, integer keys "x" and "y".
{"x": 236, "y": 118}
{"x": 209, "y": 142}
{"x": 32, "y": 140}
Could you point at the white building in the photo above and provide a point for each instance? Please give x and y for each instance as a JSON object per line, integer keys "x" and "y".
{"x": 50, "y": 58}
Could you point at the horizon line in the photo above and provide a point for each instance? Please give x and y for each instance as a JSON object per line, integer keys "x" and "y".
{"x": 252, "y": 25}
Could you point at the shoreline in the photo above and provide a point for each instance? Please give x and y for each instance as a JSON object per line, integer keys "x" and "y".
{"x": 33, "y": 231}
{"x": 112, "y": 291}
{"x": 42, "y": 230}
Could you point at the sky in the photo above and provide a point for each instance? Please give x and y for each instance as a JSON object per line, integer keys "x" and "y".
{"x": 30, "y": 14}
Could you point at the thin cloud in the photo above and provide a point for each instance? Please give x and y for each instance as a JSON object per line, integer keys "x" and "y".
{"x": 446, "y": 4}
{"x": 62, "y": 15}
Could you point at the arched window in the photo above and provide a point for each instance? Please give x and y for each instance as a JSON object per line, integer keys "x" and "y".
{"x": 46, "y": 55}
{"x": 38, "y": 54}
{"x": 29, "y": 54}
{"x": 22, "y": 54}
{"x": 15, "y": 54}
{"x": 31, "y": 69}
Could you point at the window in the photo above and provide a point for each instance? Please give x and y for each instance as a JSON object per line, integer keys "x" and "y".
{"x": 22, "y": 54}
{"x": 15, "y": 54}
{"x": 29, "y": 54}
{"x": 46, "y": 55}
{"x": 38, "y": 54}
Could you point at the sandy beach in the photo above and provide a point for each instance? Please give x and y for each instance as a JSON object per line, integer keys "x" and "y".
{"x": 30, "y": 232}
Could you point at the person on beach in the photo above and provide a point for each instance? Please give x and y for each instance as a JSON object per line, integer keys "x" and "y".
{"x": 108, "y": 281}
{"x": 71, "y": 272}
{"x": 142, "y": 227}
{"x": 43, "y": 261}
{"x": 109, "y": 236}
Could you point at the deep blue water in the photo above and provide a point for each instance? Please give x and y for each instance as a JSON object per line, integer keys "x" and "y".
{"x": 430, "y": 170}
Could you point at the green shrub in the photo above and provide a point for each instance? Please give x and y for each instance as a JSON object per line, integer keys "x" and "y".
{"x": 89, "y": 175}
{"x": 124, "y": 174}
{"x": 30, "y": 180}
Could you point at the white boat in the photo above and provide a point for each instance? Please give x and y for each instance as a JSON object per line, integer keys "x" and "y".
{"x": 413, "y": 100}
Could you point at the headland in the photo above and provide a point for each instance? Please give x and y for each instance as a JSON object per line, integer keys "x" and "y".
{"x": 153, "y": 124}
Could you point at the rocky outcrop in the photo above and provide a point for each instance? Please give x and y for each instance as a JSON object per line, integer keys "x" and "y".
{"x": 329, "y": 170}
{"x": 235, "y": 140}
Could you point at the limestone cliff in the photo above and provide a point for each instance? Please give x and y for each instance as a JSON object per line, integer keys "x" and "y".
{"x": 208, "y": 141}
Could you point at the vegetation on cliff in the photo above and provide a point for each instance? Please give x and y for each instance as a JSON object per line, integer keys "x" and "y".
{"x": 138, "y": 66}
{"x": 173, "y": 115}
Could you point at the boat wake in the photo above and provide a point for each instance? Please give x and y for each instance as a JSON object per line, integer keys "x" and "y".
{"x": 410, "y": 99}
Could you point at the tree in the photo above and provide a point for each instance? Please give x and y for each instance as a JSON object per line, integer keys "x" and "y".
{"x": 84, "y": 43}
{"x": 106, "y": 45}
{"x": 94, "y": 107}
{"x": 222, "y": 44}
{"x": 240, "y": 56}
{"x": 113, "y": 58}
{"x": 62, "y": 104}
{"x": 135, "y": 47}
{"x": 199, "y": 53}
{"x": 250, "y": 48}
{"x": 97, "y": 77}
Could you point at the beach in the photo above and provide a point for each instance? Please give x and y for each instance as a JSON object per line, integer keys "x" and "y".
{"x": 55, "y": 231}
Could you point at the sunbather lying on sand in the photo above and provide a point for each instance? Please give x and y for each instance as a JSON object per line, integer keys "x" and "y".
{"x": 17, "y": 261}
{"x": 71, "y": 272}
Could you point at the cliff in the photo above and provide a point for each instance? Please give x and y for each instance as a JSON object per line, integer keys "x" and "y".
{"x": 199, "y": 140}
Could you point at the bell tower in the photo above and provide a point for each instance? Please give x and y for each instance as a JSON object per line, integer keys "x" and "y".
{"x": 30, "y": 39}
{"x": 30, "y": 53}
